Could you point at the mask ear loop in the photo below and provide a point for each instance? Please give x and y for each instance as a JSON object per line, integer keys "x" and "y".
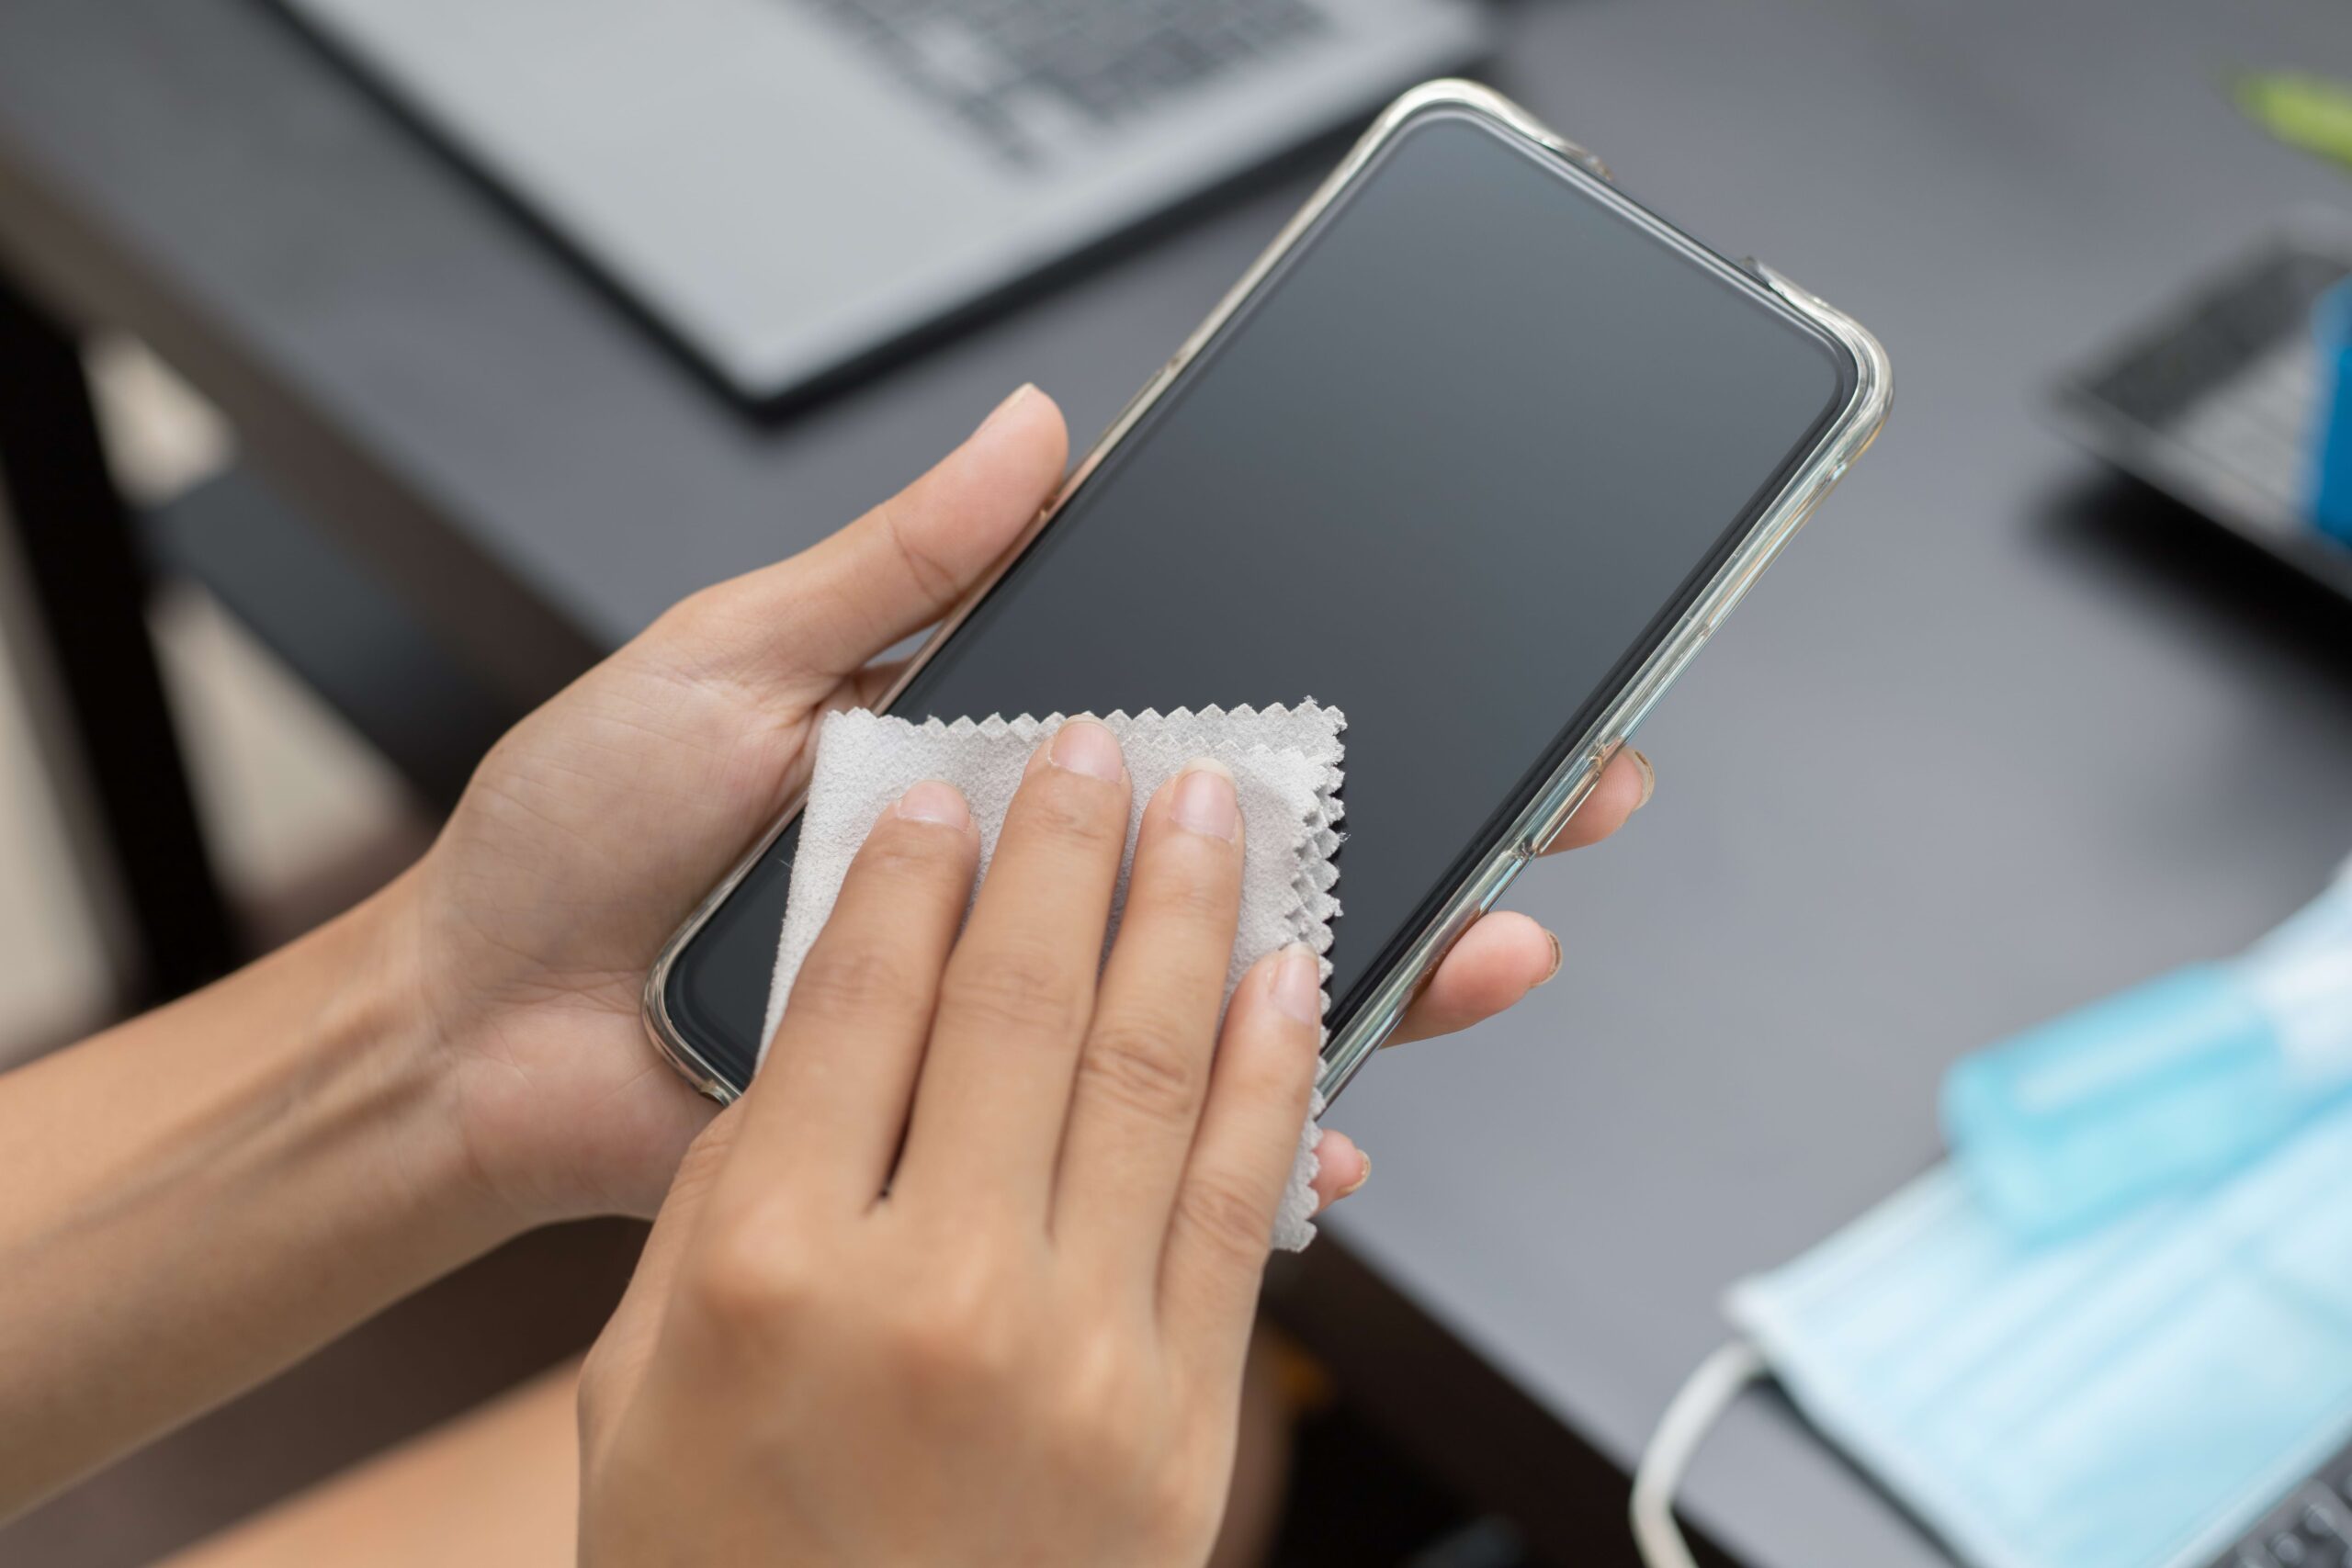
{"x": 1711, "y": 1389}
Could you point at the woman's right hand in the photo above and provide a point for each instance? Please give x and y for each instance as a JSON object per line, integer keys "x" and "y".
{"x": 1028, "y": 1350}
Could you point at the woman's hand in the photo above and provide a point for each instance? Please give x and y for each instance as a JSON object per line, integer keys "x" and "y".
{"x": 1029, "y": 1349}
{"x": 460, "y": 1057}
{"x": 597, "y": 825}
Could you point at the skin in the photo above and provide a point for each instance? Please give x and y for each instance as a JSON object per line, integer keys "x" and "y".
{"x": 1037, "y": 1334}
{"x": 203, "y": 1195}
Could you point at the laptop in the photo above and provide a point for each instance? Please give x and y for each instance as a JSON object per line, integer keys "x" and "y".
{"x": 793, "y": 187}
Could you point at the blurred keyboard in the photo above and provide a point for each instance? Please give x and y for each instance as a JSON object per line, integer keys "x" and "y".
{"x": 1036, "y": 77}
{"x": 2312, "y": 1529}
{"x": 2212, "y": 400}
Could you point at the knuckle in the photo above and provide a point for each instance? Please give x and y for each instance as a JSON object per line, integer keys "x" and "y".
{"x": 905, "y": 856}
{"x": 935, "y": 579}
{"x": 1145, "y": 1063}
{"x": 744, "y": 1282}
{"x": 1100, "y": 1375}
{"x": 1217, "y": 1213}
{"x": 839, "y": 980}
{"x": 963, "y": 1335}
{"x": 1267, "y": 1068}
{"x": 1186, "y": 888}
{"x": 1015, "y": 988}
{"x": 1100, "y": 1415}
{"x": 1287, "y": 1080}
{"x": 1079, "y": 811}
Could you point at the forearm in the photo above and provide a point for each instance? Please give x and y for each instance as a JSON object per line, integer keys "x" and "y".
{"x": 203, "y": 1195}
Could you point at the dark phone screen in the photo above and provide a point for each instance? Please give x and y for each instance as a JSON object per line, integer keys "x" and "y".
{"x": 1454, "y": 470}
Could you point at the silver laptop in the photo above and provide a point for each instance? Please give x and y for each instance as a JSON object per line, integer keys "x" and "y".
{"x": 790, "y": 185}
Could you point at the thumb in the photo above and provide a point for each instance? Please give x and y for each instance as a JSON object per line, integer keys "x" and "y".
{"x": 823, "y": 614}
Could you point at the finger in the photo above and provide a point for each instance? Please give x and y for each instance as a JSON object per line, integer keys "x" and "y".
{"x": 1241, "y": 1159}
{"x": 1014, "y": 1002}
{"x": 808, "y": 620}
{"x": 1340, "y": 1169}
{"x": 1625, "y": 788}
{"x": 1498, "y": 960}
{"x": 1145, "y": 1067}
{"x": 826, "y": 1112}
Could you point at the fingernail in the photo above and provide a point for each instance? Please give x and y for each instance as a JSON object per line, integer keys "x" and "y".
{"x": 1084, "y": 746}
{"x": 932, "y": 801}
{"x": 1204, "y": 800}
{"x": 1649, "y": 777}
{"x": 1298, "y": 983}
{"x": 1557, "y": 958}
{"x": 1352, "y": 1188}
{"x": 1006, "y": 407}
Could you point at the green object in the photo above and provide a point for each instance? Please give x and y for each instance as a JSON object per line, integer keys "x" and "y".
{"x": 2313, "y": 113}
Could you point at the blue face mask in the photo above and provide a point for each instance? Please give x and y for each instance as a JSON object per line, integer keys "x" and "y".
{"x": 2131, "y": 1397}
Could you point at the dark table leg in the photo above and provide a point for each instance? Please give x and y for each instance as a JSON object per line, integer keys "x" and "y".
{"x": 88, "y": 590}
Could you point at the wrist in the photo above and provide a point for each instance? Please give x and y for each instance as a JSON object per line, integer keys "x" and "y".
{"x": 387, "y": 1012}
{"x": 206, "y": 1192}
{"x": 549, "y": 1102}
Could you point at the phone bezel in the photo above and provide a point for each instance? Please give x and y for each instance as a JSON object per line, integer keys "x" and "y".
{"x": 1841, "y": 439}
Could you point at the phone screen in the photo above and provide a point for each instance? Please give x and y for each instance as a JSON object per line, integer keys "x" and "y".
{"x": 1455, "y": 469}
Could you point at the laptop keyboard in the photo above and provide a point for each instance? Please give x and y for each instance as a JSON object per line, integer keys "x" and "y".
{"x": 1035, "y": 77}
{"x": 2311, "y": 1529}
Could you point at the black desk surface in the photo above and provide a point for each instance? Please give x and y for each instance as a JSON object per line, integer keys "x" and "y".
{"x": 1998, "y": 737}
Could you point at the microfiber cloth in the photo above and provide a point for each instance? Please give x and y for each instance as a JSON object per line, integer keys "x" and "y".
{"x": 1285, "y": 766}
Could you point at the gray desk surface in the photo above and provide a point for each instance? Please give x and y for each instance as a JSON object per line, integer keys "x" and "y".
{"x": 1976, "y": 753}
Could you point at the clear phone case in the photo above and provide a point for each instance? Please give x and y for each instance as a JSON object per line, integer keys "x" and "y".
{"x": 1841, "y": 442}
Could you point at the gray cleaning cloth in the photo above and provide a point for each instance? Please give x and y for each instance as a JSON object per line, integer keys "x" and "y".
{"x": 1285, "y": 765}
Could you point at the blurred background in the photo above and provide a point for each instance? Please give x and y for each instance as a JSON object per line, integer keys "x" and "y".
{"x": 367, "y": 368}
{"x": 303, "y": 814}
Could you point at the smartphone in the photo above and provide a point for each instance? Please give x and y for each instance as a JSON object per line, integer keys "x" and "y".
{"x": 1480, "y": 451}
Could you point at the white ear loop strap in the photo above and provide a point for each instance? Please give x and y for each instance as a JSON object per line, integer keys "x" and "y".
{"x": 1704, "y": 1395}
